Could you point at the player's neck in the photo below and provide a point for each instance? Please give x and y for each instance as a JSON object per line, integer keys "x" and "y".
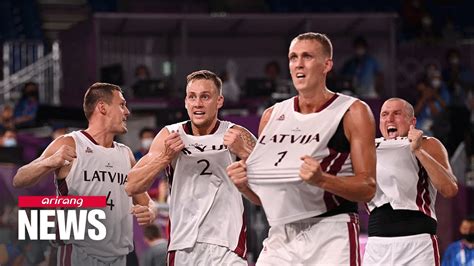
{"x": 101, "y": 137}
{"x": 312, "y": 101}
{"x": 204, "y": 130}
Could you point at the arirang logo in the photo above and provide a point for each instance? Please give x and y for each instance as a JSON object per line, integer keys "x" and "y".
{"x": 88, "y": 150}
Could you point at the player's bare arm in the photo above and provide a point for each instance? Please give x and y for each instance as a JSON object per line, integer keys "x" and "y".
{"x": 164, "y": 149}
{"x": 237, "y": 172}
{"x": 57, "y": 157}
{"x": 359, "y": 128}
{"x": 434, "y": 158}
{"x": 239, "y": 141}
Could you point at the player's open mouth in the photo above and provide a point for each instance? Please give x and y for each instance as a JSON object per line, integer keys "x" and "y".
{"x": 392, "y": 131}
{"x": 199, "y": 113}
{"x": 300, "y": 76}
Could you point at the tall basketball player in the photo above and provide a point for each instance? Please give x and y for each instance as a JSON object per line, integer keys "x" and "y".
{"x": 206, "y": 209}
{"x": 77, "y": 159}
{"x": 411, "y": 169}
{"x": 314, "y": 159}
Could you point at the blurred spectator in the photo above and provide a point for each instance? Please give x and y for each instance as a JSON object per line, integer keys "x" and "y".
{"x": 156, "y": 254}
{"x": 230, "y": 88}
{"x": 146, "y": 138}
{"x": 460, "y": 81}
{"x": 27, "y": 106}
{"x": 6, "y": 117}
{"x": 8, "y": 138}
{"x": 432, "y": 102}
{"x": 412, "y": 13}
{"x": 142, "y": 73}
{"x": 461, "y": 252}
{"x": 273, "y": 73}
{"x": 364, "y": 71}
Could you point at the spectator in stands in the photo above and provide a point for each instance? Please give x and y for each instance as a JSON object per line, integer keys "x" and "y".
{"x": 364, "y": 71}
{"x": 461, "y": 252}
{"x": 142, "y": 73}
{"x": 460, "y": 81}
{"x": 230, "y": 89}
{"x": 27, "y": 106}
{"x": 432, "y": 101}
{"x": 8, "y": 138}
{"x": 6, "y": 117}
{"x": 273, "y": 73}
{"x": 156, "y": 254}
{"x": 146, "y": 138}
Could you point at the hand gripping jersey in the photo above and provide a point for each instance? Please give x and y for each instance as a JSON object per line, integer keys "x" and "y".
{"x": 401, "y": 179}
{"x": 273, "y": 166}
{"x": 205, "y": 205}
{"x": 100, "y": 171}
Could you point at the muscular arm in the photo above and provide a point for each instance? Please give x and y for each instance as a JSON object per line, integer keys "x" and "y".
{"x": 164, "y": 148}
{"x": 240, "y": 141}
{"x": 359, "y": 128}
{"x": 53, "y": 159}
{"x": 434, "y": 158}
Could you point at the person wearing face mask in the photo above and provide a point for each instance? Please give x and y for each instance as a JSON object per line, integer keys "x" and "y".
{"x": 27, "y": 106}
{"x": 364, "y": 71}
{"x": 461, "y": 252}
{"x": 9, "y": 138}
{"x": 432, "y": 101}
{"x": 411, "y": 170}
{"x": 146, "y": 138}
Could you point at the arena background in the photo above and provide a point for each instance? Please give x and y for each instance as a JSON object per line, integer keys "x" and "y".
{"x": 63, "y": 46}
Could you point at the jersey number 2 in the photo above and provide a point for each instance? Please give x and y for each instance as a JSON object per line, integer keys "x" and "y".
{"x": 206, "y": 166}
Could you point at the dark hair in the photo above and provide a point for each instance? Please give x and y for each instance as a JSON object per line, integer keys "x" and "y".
{"x": 144, "y": 130}
{"x": 208, "y": 75}
{"x": 151, "y": 232}
{"x": 469, "y": 218}
{"x": 319, "y": 37}
{"x": 359, "y": 40}
{"x": 98, "y": 92}
{"x": 273, "y": 64}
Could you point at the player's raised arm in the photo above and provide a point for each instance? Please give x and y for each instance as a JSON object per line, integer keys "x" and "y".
{"x": 163, "y": 150}
{"x": 59, "y": 154}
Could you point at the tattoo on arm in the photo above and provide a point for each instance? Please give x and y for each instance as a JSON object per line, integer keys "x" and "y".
{"x": 248, "y": 138}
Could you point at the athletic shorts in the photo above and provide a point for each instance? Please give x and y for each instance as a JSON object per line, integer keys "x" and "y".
{"x": 71, "y": 255}
{"x": 205, "y": 254}
{"x": 416, "y": 250}
{"x": 330, "y": 240}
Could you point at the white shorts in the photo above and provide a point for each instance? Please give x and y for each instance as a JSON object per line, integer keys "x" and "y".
{"x": 314, "y": 241}
{"x": 71, "y": 255}
{"x": 414, "y": 250}
{"x": 205, "y": 254}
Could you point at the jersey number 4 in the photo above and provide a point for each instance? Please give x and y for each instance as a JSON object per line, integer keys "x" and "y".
{"x": 109, "y": 201}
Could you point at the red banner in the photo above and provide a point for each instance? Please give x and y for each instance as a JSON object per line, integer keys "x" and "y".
{"x": 61, "y": 201}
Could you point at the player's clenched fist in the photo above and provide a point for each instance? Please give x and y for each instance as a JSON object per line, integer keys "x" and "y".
{"x": 233, "y": 140}
{"x": 415, "y": 136}
{"x": 144, "y": 214}
{"x": 63, "y": 156}
{"x": 173, "y": 145}
{"x": 237, "y": 172}
{"x": 310, "y": 171}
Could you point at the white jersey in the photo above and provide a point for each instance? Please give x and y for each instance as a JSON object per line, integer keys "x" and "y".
{"x": 273, "y": 166}
{"x": 100, "y": 171}
{"x": 401, "y": 179}
{"x": 205, "y": 205}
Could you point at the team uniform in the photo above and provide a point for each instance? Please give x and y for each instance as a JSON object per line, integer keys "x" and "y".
{"x": 301, "y": 215}
{"x": 206, "y": 209}
{"x": 402, "y": 223}
{"x": 99, "y": 171}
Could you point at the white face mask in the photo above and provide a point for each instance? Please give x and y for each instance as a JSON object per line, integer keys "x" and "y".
{"x": 9, "y": 142}
{"x": 436, "y": 83}
{"x": 146, "y": 143}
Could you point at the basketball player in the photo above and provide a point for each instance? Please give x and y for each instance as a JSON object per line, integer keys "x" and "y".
{"x": 411, "y": 169}
{"x": 313, "y": 161}
{"x": 90, "y": 163}
{"x": 206, "y": 209}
